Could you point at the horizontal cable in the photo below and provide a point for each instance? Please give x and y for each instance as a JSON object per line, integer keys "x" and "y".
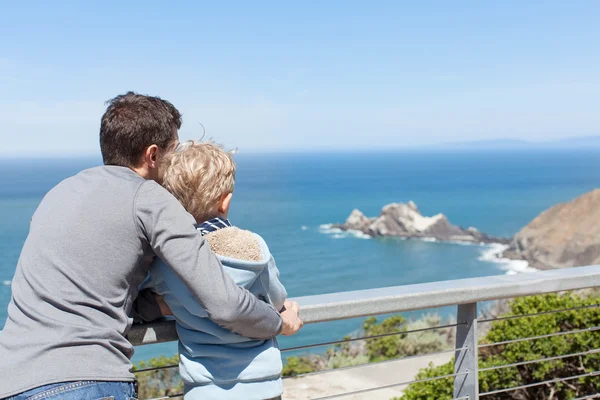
{"x": 156, "y": 368}
{"x": 540, "y": 313}
{"x": 310, "y": 346}
{"x": 171, "y": 396}
{"x": 591, "y": 329}
{"x": 591, "y": 396}
{"x": 389, "y": 386}
{"x": 556, "y": 380}
{"x": 584, "y": 353}
{"x": 368, "y": 364}
{"x": 337, "y": 369}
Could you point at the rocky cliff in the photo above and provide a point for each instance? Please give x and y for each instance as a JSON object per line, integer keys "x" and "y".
{"x": 405, "y": 220}
{"x": 566, "y": 235}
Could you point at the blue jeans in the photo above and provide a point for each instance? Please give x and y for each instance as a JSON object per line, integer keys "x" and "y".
{"x": 81, "y": 390}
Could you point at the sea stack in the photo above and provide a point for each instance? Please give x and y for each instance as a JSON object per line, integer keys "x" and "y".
{"x": 405, "y": 220}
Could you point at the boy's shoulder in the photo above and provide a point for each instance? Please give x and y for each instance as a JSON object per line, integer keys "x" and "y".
{"x": 241, "y": 244}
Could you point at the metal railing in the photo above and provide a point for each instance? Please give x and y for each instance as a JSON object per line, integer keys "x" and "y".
{"x": 464, "y": 293}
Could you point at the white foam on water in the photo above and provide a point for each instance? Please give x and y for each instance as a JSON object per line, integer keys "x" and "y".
{"x": 358, "y": 234}
{"x": 338, "y": 233}
{"x": 492, "y": 254}
{"x": 429, "y": 239}
{"x": 304, "y": 227}
{"x": 465, "y": 243}
{"x": 6, "y": 283}
{"x": 328, "y": 228}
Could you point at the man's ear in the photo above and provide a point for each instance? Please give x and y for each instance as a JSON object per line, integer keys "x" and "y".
{"x": 224, "y": 203}
{"x": 151, "y": 156}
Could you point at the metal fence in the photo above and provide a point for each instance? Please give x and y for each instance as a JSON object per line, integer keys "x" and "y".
{"x": 465, "y": 294}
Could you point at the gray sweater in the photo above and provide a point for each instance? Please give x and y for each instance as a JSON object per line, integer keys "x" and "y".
{"x": 90, "y": 244}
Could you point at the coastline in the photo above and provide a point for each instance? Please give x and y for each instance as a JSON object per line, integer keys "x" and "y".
{"x": 494, "y": 254}
{"x": 491, "y": 252}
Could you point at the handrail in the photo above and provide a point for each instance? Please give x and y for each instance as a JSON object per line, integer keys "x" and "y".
{"x": 361, "y": 303}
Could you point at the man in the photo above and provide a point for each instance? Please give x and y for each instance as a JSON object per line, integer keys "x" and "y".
{"x": 89, "y": 247}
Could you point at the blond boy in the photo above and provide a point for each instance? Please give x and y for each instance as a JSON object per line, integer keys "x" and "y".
{"x": 216, "y": 363}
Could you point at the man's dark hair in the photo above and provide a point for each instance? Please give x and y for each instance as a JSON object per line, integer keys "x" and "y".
{"x": 131, "y": 123}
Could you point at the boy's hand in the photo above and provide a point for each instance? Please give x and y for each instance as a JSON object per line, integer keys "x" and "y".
{"x": 164, "y": 308}
{"x": 291, "y": 321}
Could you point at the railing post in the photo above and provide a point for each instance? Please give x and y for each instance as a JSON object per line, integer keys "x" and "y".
{"x": 466, "y": 363}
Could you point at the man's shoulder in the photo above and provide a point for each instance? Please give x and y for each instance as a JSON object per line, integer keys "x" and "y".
{"x": 151, "y": 195}
{"x": 106, "y": 177}
{"x": 95, "y": 186}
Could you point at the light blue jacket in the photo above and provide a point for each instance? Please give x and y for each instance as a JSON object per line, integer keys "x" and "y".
{"x": 216, "y": 363}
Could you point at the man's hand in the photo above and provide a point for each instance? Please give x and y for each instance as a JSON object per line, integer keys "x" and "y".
{"x": 291, "y": 322}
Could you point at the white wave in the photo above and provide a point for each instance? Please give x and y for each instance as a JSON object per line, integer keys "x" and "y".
{"x": 338, "y": 233}
{"x": 6, "y": 283}
{"x": 328, "y": 229}
{"x": 429, "y": 239}
{"x": 304, "y": 227}
{"x": 492, "y": 254}
{"x": 358, "y": 234}
{"x": 465, "y": 243}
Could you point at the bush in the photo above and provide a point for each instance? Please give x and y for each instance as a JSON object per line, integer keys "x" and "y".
{"x": 531, "y": 350}
{"x": 385, "y": 348}
{"x": 158, "y": 383}
{"x": 404, "y": 345}
{"x": 298, "y": 365}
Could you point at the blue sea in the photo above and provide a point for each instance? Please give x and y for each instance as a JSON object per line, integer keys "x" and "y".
{"x": 290, "y": 198}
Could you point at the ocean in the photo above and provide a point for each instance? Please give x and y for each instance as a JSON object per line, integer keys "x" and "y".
{"x": 290, "y": 199}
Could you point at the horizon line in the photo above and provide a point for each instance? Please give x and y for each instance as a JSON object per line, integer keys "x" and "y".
{"x": 255, "y": 152}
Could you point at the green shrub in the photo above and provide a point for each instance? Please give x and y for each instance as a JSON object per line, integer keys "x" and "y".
{"x": 158, "y": 383}
{"x": 298, "y": 365}
{"x": 511, "y": 329}
{"x": 386, "y": 347}
{"x": 404, "y": 344}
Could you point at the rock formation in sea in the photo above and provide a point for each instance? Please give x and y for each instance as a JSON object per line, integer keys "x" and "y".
{"x": 566, "y": 235}
{"x": 405, "y": 220}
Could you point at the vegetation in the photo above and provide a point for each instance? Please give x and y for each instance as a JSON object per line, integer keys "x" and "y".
{"x": 380, "y": 349}
{"x": 161, "y": 382}
{"x": 531, "y": 350}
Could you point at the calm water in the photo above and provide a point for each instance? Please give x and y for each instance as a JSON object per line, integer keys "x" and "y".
{"x": 287, "y": 198}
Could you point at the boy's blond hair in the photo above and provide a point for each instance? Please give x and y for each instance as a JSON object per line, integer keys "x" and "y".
{"x": 198, "y": 174}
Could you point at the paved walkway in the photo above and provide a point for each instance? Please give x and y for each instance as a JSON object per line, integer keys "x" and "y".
{"x": 337, "y": 382}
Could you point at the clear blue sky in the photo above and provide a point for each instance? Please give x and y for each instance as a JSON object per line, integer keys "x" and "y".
{"x": 313, "y": 75}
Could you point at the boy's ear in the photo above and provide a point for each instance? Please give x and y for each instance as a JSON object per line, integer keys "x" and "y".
{"x": 224, "y": 203}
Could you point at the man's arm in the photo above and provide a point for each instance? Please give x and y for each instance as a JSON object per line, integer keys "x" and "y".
{"x": 170, "y": 231}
